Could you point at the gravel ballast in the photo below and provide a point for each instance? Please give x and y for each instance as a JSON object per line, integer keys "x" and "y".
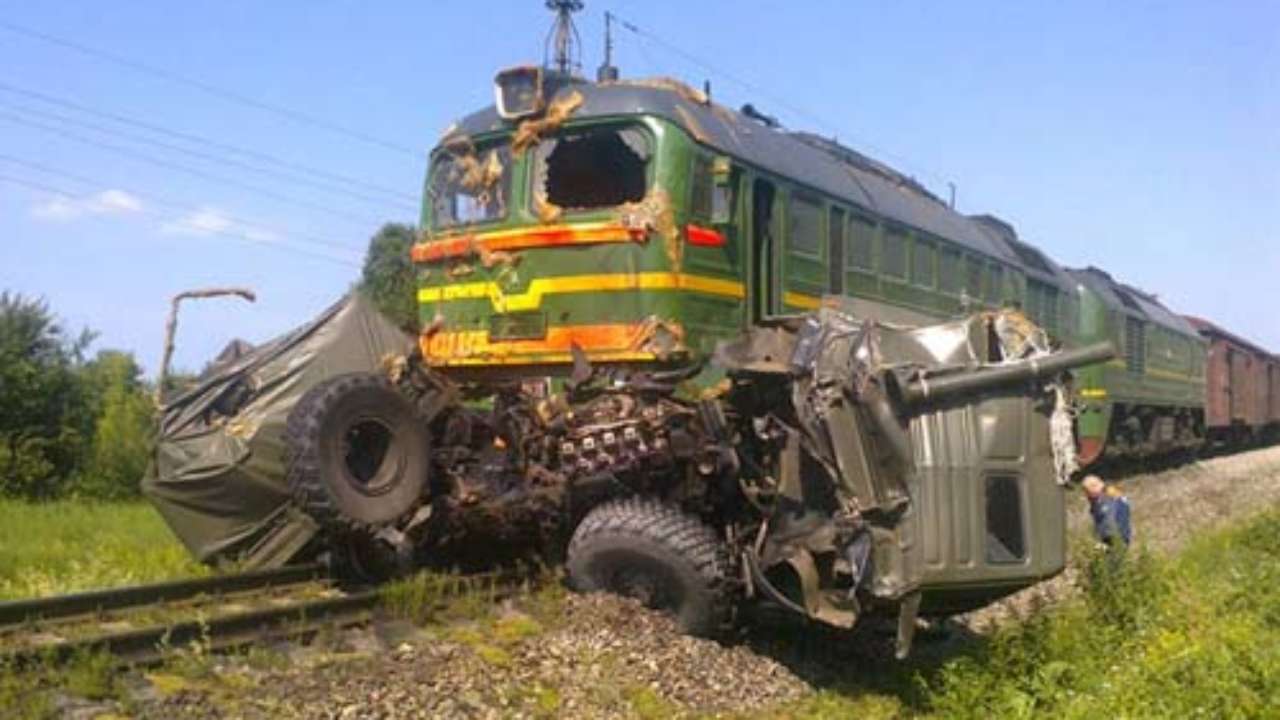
{"x": 603, "y": 657}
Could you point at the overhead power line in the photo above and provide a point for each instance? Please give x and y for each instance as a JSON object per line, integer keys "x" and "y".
{"x": 296, "y": 116}
{"x": 162, "y": 201}
{"x": 235, "y": 234}
{"x": 335, "y": 178}
{"x": 760, "y": 91}
{"x": 208, "y": 157}
{"x": 363, "y": 221}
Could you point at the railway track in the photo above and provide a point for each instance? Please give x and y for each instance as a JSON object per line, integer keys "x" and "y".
{"x": 140, "y": 624}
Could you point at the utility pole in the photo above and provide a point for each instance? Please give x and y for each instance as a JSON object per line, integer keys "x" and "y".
{"x": 608, "y": 71}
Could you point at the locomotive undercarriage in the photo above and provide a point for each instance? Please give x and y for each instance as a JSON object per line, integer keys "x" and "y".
{"x": 1145, "y": 430}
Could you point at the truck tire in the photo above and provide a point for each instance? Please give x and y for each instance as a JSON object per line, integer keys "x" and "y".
{"x": 667, "y": 559}
{"x": 358, "y": 453}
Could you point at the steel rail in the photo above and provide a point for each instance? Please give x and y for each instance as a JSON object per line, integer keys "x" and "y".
{"x": 19, "y": 612}
{"x": 148, "y": 645}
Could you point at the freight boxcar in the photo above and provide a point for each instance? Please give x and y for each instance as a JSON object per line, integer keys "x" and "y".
{"x": 1151, "y": 399}
{"x": 1243, "y": 392}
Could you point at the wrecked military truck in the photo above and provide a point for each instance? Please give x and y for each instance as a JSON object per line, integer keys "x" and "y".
{"x": 843, "y": 468}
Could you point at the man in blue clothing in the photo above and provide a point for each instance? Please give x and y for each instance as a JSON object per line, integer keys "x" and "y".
{"x": 1110, "y": 511}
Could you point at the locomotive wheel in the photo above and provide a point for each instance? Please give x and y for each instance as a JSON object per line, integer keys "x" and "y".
{"x": 358, "y": 453}
{"x": 663, "y": 557}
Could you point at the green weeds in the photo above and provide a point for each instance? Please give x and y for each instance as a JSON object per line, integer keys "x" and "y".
{"x": 1193, "y": 636}
{"x": 48, "y": 548}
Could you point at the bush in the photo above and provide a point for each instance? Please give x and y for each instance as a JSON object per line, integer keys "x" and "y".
{"x": 1199, "y": 636}
{"x": 67, "y": 426}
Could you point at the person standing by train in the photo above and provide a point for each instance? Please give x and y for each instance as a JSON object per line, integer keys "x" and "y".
{"x": 1109, "y": 509}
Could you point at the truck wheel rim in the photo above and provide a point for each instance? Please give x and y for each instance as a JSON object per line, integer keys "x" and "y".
{"x": 372, "y": 457}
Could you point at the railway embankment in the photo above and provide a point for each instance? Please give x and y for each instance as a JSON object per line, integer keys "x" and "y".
{"x": 553, "y": 654}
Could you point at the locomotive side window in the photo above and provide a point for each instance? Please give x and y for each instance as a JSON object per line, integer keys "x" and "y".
{"x": 949, "y": 271}
{"x": 862, "y": 235}
{"x": 835, "y": 245}
{"x": 469, "y": 185}
{"x": 995, "y": 281}
{"x": 700, "y": 193}
{"x": 594, "y": 168}
{"x": 973, "y": 277}
{"x": 894, "y": 257}
{"x": 922, "y": 263}
{"x": 804, "y": 226}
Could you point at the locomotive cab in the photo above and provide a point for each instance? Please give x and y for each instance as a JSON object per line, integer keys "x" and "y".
{"x": 572, "y": 215}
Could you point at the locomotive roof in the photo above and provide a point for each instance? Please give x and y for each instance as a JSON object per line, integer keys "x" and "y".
{"x": 1211, "y": 330}
{"x": 1131, "y": 300}
{"x": 811, "y": 160}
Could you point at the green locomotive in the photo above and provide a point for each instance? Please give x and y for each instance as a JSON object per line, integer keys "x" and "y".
{"x": 1150, "y": 400}
{"x": 643, "y": 223}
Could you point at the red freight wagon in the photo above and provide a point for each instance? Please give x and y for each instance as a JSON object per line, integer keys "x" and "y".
{"x": 1273, "y": 391}
{"x": 1242, "y": 391}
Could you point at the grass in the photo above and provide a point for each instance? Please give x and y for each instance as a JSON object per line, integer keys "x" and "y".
{"x": 65, "y": 546}
{"x": 1197, "y": 635}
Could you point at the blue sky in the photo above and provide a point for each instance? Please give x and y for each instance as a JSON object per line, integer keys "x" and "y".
{"x": 1140, "y": 137}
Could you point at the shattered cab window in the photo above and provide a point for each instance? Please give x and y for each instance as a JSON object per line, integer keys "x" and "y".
{"x": 594, "y": 168}
{"x": 469, "y": 184}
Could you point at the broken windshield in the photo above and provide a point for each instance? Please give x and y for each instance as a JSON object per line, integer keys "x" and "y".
{"x": 593, "y": 168}
{"x": 469, "y": 184}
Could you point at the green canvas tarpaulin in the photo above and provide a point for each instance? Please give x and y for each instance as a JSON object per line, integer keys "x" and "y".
{"x": 218, "y": 476}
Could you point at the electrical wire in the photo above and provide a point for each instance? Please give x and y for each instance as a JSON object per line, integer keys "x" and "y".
{"x": 363, "y": 221}
{"x": 295, "y": 116}
{"x": 336, "y": 178}
{"x": 174, "y": 204}
{"x": 755, "y": 89}
{"x": 242, "y": 235}
{"x": 208, "y": 157}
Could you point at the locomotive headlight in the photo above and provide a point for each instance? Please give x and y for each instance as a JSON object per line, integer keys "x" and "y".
{"x": 519, "y": 92}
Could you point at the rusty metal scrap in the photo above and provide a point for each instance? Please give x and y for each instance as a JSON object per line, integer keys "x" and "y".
{"x": 171, "y": 327}
{"x": 530, "y": 132}
{"x": 663, "y": 338}
{"x": 682, "y": 89}
{"x": 547, "y": 211}
{"x": 1017, "y": 334}
{"x": 655, "y": 212}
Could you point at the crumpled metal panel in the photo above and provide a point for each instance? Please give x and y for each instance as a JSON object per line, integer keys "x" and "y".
{"x": 218, "y": 476}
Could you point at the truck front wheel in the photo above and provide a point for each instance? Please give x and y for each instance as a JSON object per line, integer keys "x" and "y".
{"x": 359, "y": 455}
{"x": 663, "y": 557}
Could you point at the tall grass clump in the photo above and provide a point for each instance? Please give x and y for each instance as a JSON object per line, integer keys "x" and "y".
{"x": 47, "y": 548}
{"x": 1196, "y": 636}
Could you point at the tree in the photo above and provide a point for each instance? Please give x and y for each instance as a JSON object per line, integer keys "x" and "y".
{"x": 388, "y": 278}
{"x": 123, "y": 416}
{"x": 44, "y": 420}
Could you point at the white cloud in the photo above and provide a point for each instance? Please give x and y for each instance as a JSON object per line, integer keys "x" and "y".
{"x": 116, "y": 202}
{"x": 201, "y": 223}
{"x": 108, "y": 202}
{"x": 208, "y": 221}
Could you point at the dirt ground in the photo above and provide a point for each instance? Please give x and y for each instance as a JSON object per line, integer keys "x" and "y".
{"x": 605, "y": 657}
